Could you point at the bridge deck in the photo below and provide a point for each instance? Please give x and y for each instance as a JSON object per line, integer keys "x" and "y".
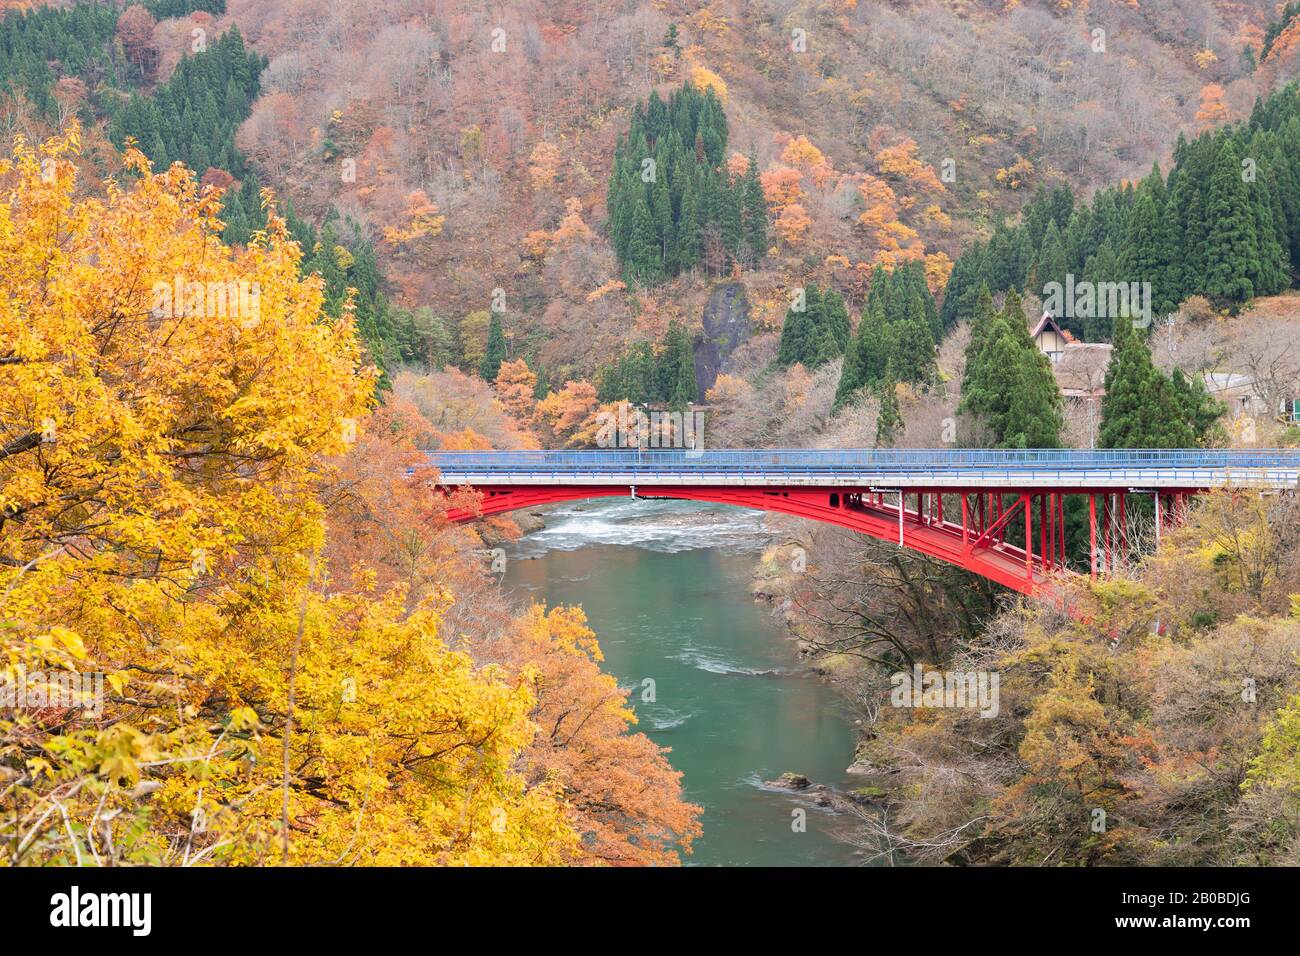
{"x": 1057, "y": 469}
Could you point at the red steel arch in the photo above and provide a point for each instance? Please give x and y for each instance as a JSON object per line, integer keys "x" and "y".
{"x": 975, "y": 542}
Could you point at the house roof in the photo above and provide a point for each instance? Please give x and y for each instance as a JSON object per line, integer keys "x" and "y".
{"x": 1219, "y": 381}
{"x": 1081, "y": 368}
{"x": 1048, "y": 322}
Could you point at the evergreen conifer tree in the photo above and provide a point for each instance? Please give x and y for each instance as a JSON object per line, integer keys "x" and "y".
{"x": 643, "y": 264}
{"x": 677, "y": 382}
{"x": 889, "y": 422}
{"x": 1231, "y": 246}
{"x": 800, "y": 331}
{"x": 755, "y": 213}
{"x": 495, "y": 352}
{"x": 1146, "y": 257}
{"x": 911, "y": 349}
{"x": 1009, "y": 384}
{"x": 1140, "y": 408}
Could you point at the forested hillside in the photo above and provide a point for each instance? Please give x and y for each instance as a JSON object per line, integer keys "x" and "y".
{"x": 180, "y": 96}
{"x": 1224, "y": 225}
{"x": 848, "y": 109}
{"x": 487, "y": 157}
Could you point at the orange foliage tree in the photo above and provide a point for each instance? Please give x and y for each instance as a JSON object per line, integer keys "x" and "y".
{"x": 570, "y": 413}
{"x": 1213, "y": 111}
{"x": 782, "y": 187}
{"x": 800, "y": 152}
{"x": 388, "y": 529}
{"x": 793, "y": 224}
{"x": 544, "y": 165}
{"x": 420, "y": 218}
{"x": 514, "y": 385}
{"x": 901, "y": 160}
{"x": 572, "y": 228}
{"x": 624, "y": 797}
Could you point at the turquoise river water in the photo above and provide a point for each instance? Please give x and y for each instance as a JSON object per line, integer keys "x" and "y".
{"x": 666, "y": 587}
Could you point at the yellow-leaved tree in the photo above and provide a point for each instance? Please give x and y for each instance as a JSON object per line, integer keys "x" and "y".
{"x": 168, "y": 407}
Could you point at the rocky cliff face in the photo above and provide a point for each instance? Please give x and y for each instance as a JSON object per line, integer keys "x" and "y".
{"x": 726, "y": 326}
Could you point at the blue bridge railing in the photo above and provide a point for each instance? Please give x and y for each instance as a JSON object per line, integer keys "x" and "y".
{"x": 647, "y": 464}
{"x": 743, "y": 459}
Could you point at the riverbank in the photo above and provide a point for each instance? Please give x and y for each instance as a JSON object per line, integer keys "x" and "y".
{"x": 780, "y": 581}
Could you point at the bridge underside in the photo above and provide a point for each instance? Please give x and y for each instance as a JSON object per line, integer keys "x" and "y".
{"x": 972, "y": 535}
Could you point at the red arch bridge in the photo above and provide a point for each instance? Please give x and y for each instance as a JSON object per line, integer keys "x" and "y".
{"x": 956, "y": 505}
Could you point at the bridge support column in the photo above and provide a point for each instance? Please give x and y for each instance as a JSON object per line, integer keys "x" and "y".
{"x": 1029, "y": 537}
{"x": 1092, "y": 533}
{"x": 1060, "y": 508}
{"x": 1107, "y": 531}
{"x": 1042, "y": 529}
{"x": 1051, "y": 531}
{"x": 1123, "y": 529}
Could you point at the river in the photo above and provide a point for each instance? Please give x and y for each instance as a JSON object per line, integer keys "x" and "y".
{"x": 666, "y": 588}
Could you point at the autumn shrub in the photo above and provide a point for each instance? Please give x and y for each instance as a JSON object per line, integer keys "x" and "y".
{"x": 1149, "y": 718}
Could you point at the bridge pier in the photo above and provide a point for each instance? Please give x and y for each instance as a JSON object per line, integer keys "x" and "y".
{"x": 1092, "y": 533}
{"x": 1029, "y": 537}
{"x": 1042, "y": 529}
